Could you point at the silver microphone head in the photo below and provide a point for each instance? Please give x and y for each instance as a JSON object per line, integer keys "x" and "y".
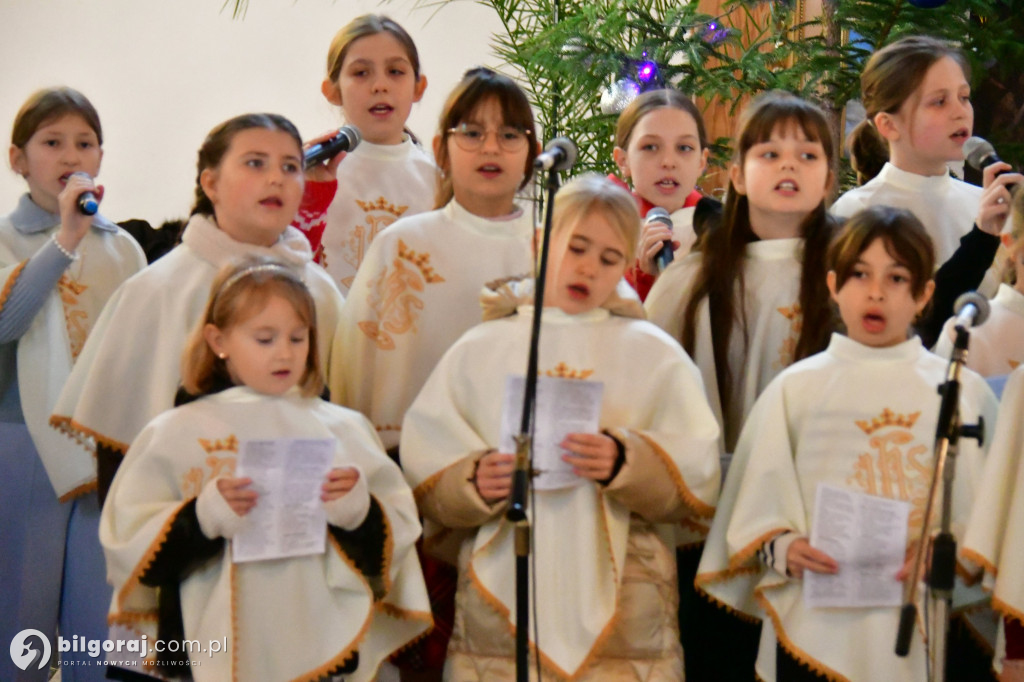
{"x": 659, "y": 214}
{"x": 979, "y": 302}
{"x": 353, "y": 135}
{"x": 976, "y": 150}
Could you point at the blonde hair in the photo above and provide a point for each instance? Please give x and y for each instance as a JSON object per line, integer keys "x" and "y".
{"x": 591, "y": 193}
{"x": 361, "y": 27}
{"x": 238, "y": 292}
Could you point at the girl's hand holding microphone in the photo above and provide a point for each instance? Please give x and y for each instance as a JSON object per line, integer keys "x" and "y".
{"x": 995, "y": 200}
{"x": 79, "y": 195}
{"x": 323, "y": 154}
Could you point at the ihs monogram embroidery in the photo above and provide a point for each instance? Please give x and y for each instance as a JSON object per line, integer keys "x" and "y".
{"x": 75, "y": 319}
{"x": 787, "y": 351}
{"x": 393, "y": 296}
{"x": 194, "y": 479}
{"x": 379, "y": 214}
{"x": 564, "y": 371}
{"x": 897, "y": 466}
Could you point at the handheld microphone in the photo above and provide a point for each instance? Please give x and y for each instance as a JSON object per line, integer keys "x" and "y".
{"x": 88, "y": 204}
{"x": 665, "y": 254}
{"x": 971, "y": 310}
{"x": 980, "y": 154}
{"x": 345, "y": 140}
{"x": 559, "y": 155}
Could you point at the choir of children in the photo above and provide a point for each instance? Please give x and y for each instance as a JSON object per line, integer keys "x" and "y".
{"x": 244, "y": 325}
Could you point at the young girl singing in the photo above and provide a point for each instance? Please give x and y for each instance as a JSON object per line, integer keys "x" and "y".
{"x": 917, "y": 97}
{"x": 252, "y": 372}
{"x": 248, "y": 188}
{"x": 860, "y": 416}
{"x": 58, "y": 266}
{"x": 751, "y": 301}
{"x": 418, "y": 287}
{"x": 661, "y": 148}
{"x": 373, "y": 74}
{"x": 997, "y": 346}
{"x": 607, "y": 590}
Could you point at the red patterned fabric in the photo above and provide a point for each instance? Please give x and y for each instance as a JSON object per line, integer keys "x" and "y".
{"x": 312, "y": 215}
{"x": 637, "y": 278}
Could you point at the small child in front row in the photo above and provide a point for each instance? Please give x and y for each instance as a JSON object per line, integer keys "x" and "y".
{"x": 251, "y": 371}
{"x": 997, "y": 346}
{"x": 861, "y": 416}
{"x": 661, "y": 148}
{"x": 607, "y": 589}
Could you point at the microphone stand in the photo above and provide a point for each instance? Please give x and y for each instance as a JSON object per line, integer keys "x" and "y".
{"x": 523, "y": 472}
{"x": 943, "y": 545}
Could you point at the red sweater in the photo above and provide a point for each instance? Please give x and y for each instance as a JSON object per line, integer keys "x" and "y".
{"x": 636, "y": 277}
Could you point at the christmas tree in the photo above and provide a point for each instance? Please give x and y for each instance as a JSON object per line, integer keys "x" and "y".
{"x": 580, "y": 59}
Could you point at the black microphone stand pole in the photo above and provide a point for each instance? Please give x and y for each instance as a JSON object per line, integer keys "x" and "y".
{"x": 521, "y": 478}
{"x": 943, "y": 545}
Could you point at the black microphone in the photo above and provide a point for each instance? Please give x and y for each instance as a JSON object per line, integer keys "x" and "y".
{"x": 88, "y": 204}
{"x": 971, "y": 310}
{"x": 666, "y": 254}
{"x": 980, "y": 154}
{"x": 345, "y": 140}
{"x": 559, "y": 155}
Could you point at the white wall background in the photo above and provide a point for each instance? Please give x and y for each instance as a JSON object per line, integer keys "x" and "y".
{"x": 162, "y": 73}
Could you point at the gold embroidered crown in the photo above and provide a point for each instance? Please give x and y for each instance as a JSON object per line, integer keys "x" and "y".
{"x": 888, "y": 418}
{"x": 229, "y": 444}
{"x": 564, "y": 371}
{"x": 382, "y": 204}
{"x": 420, "y": 260}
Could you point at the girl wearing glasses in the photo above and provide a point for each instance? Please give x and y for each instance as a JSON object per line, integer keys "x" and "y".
{"x": 418, "y": 287}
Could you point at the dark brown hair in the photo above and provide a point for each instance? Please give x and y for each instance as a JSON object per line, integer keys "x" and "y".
{"x": 902, "y": 233}
{"x": 894, "y": 73}
{"x": 650, "y": 101}
{"x": 720, "y": 278}
{"x": 476, "y": 87}
{"x": 50, "y": 104}
{"x": 868, "y": 151}
{"x": 218, "y": 141}
{"x": 240, "y": 291}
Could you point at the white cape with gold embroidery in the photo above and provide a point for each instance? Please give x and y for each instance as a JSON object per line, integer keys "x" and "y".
{"x": 46, "y": 352}
{"x": 131, "y": 367}
{"x": 579, "y": 534}
{"x": 290, "y": 619}
{"x": 377, "y": 185}
{"x": 995, "y": 534}
{"x": 416, "y": 292}
{"x": 772, "y": 272}
{"x": 855, "y": 417}
{"x": 996, "y": 347}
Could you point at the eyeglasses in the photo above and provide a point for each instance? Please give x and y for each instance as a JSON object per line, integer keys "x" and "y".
{"x": 470, "y": 137}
